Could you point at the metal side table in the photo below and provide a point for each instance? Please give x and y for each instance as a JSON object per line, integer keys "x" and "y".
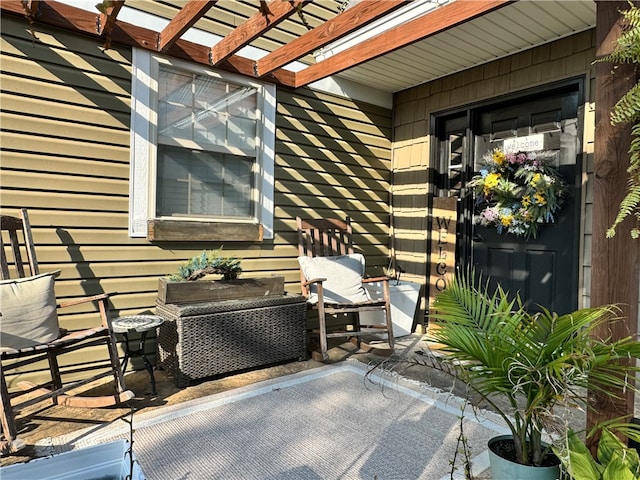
{"x": 141, "y": 324}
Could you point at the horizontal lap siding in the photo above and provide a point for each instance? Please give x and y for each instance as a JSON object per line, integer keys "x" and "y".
{"x": 65, "y": 156}
{"x": 333, "y": 159}
{"x": 65, "y": 135}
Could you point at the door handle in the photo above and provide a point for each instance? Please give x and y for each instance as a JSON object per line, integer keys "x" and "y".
{"x": 477, "y": 238}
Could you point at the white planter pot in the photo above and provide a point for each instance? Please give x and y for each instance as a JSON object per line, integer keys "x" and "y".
{"x": 108, "y": 461}
{"x": 404, "y": 300}
{"x": 503, "y": 469}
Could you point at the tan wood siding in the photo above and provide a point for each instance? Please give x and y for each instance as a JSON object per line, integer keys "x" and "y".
{"x": 65, "y": 141}
{"x": 565, "y": 58}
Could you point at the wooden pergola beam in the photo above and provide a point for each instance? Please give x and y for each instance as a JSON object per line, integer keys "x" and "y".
{"x": 436, "y": 21}
{"x": 253, "y": 27}
{"x": 108, "y": 16}
{"x": 74, "y": 19}
{"x": 346, "y": 22}
{"x": 269, "y": 67}
{"x": 30, "y": 8}
{"x": 183, "y": 21}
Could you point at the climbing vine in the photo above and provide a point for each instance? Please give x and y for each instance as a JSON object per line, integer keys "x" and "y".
{"x": 627, "y": 110}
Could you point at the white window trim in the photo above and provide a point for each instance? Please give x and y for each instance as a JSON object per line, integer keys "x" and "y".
{"x": 142, "y": 157}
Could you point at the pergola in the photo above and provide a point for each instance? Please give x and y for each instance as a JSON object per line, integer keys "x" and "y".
{"x": 615, "y": 262}
{"x": 292, "y": 30}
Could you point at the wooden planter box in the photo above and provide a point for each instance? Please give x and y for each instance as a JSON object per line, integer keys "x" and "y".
{"x": 216, "y": 290}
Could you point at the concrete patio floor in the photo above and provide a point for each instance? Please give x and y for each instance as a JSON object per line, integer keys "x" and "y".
{"x": 44, "y": 420}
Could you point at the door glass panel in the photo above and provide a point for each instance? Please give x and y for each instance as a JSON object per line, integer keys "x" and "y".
{"x": 453, "y": 170}
{"x": 455, "y": 164}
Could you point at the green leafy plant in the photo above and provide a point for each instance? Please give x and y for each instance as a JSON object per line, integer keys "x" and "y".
{"x": 530, "y": 362}
{"x": 627, "y": 111}
{"x": 208, "y": 262}
{"x": 614, "y": 460}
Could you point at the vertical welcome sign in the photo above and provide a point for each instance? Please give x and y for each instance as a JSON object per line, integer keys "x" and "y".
{"x": 442, "y": 260}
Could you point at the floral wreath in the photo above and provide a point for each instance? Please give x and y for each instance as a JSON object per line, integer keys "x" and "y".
{"x": 517, "y": 193}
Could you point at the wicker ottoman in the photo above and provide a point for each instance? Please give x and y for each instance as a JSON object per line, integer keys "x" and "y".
{"x": 205, "y": 339}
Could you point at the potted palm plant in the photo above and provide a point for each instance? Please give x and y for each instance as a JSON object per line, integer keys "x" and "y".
{"x": 524, "y": 365}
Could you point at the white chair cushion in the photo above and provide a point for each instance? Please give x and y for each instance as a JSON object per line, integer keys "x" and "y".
{"x": 344, "y": 277}
{"x": 28, "y": 308}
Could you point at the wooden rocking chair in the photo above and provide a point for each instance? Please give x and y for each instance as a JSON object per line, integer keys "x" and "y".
{"x": 29, "y": 333}
{"x": 332, "y": 279}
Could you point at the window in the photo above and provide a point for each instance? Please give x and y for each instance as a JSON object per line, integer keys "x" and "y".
{"x": 202, "y": 152}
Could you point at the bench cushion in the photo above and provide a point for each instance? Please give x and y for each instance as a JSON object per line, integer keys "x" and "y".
{"x": 343, "y": 275}
{"x": 29, "y": 314}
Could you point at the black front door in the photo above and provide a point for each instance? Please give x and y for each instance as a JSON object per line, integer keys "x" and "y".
{"x": 543, "y": 270}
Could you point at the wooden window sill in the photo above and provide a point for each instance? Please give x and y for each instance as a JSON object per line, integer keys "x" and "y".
{"x": 188, "y": 231}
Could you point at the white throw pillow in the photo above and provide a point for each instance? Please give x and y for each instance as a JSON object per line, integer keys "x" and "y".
{"x": 28, "y": 308}
{"x": 344, "y": 277}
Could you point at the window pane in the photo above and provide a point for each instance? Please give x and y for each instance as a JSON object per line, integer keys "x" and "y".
{"x": 175, "y": 104}
{"x": 242, "y": 132}
{"x": 206, "y": 110}
{"x": 210, "y": 129}
{"x": 237, "y": 188}
{"x": 194, "y": 183}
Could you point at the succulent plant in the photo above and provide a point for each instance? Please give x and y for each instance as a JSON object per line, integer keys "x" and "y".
{"x": 208, "y": 262}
